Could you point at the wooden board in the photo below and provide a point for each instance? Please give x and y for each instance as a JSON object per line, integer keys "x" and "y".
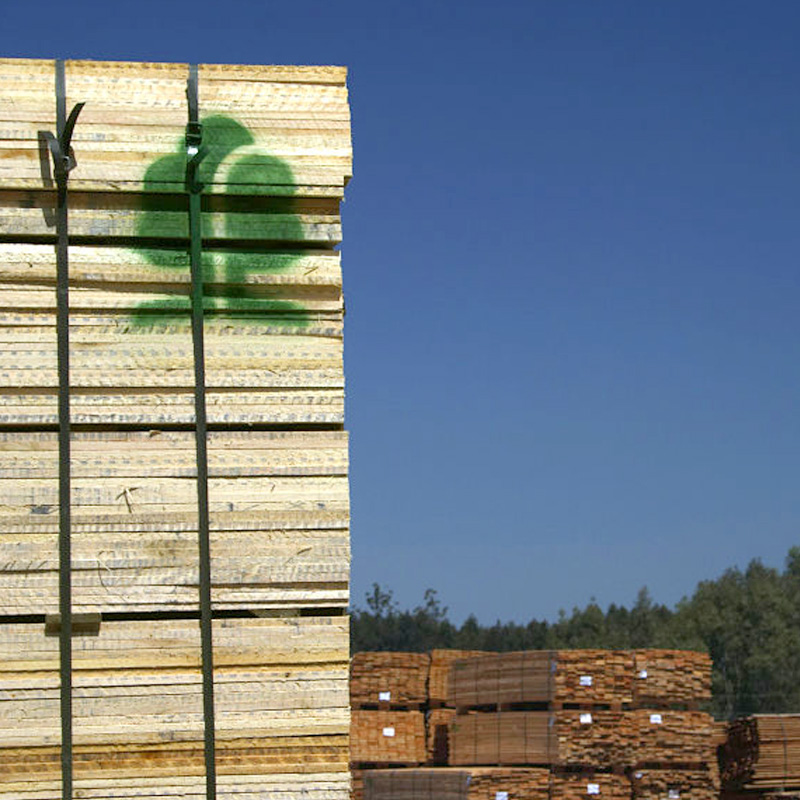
{"x": 279, "y": 521}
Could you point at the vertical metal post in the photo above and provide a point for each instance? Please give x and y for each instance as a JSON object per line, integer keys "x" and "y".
{"x": 194, "y": 155}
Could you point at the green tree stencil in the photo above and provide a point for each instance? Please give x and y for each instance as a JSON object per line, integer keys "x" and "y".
{"x": 224, "y": 270}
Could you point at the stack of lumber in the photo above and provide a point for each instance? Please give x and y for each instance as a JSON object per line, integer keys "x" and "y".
{"x": 281, "y": 713}
{"x": 762, "y": 752}
{"x": 278, "y": 516}
{"x": 589, "y": 786}
{"x": 389, "y": 679}
{"x": 440, "y": 714}
{"x": 683, "y": 784}
{"x": 543, "y": 676}
{"x": 439, "y": 676}
{"x": 667, "y": 737}
{"x": 457, "y": 784}
{"x": 278, "y": 157}
{"x": 517, "y": 708}
{"x": 669, "y": 677}
{"x": 387, "y": 737}
{"x": 437, "y": 723}
{"x": 571, "y": 738}
{"x": 388, "y": 695}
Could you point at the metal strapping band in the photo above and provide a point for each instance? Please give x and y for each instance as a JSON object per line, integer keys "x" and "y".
{"x": 63, "y": 162}
{"x": 194, "y": 155}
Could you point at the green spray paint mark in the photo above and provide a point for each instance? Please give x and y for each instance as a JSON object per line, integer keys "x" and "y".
{"x": 224, "y": 271}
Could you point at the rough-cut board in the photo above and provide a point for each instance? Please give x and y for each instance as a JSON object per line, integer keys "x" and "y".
{"x": 388, "y": 737}
{"x": 456, "y": 784}
{"x": 570, "y": 676}
{"x": 285, "y": 128}
{"x": 281, "y": 696}
{"x": 389, "y": 679}
{"x": 278, "y": 514}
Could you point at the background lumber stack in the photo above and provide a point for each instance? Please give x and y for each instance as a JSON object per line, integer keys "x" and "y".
{"x": 439, "y": 675}
{"x": 762, "y": 753}
{"x": 457, "y": 784}
{"x": 577, "y": 711}
{"x": 387, "y": 737}
{"x": 543, "y": 676}
{"x": 389, "y": 680}
{"x": 278, "y": 159}
{"x": 572, "y": 716}
{"x": 388, "y": 695}
{"x": 440, "y": 713}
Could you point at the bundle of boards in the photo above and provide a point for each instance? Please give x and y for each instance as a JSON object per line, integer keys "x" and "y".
{"x": 277, "y": 158}
{"x": 541, "y": 724}
{"x": 762, "y": 753}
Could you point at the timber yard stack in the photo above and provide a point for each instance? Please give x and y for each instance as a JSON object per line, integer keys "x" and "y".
{"x": 761, "y": 757}
{"x": 440, "y": 713}
{"x": 276, "y": 161}
{"x": 388, "y": 697}
{"x": 575, "y": 717}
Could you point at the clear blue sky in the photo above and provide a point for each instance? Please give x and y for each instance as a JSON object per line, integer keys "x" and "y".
{"x": 571, "y": 272}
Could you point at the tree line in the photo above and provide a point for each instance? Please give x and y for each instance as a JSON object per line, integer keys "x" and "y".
{"x": 748, "y": 621}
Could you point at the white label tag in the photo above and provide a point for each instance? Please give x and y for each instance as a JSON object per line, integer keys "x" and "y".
{"x": 673, "y": 794}
{"x": 655, "y": 719}
{"x": 388, "y": 731}
{"x": 642, "y": 673}
{"x": 501, "y": 796}
{"x": 384, "y": 696}
{"x": 593, "y": 788}
{"x": 586, "y": 719}
{"x": 586, "y": 680}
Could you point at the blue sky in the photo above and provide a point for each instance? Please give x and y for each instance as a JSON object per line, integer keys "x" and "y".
{"x": 571, "y": 271}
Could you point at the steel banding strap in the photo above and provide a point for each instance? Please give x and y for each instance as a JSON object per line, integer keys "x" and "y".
{"x": 194, "y": 155}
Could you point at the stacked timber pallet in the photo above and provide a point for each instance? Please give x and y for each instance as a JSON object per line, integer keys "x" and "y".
{"x": 573, "y": 717}
{"x": 576, "y": 713}
{"x": 762, "y": 754}
{"x": 278, "y": 157}
{"x": 457, "y": 784}
{"x": 388, "y": 696}
{"x": 440, "y": 713}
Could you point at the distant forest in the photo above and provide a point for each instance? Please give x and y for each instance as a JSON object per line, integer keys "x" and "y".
{"x": 748, "y": 621}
